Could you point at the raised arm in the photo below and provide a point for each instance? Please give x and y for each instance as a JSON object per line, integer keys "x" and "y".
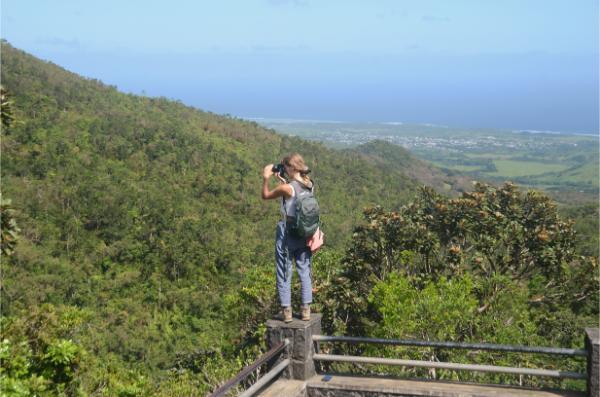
{"x": 283, "y": 190}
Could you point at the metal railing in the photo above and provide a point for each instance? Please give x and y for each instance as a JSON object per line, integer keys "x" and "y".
{"x": 452, "y": 366}
{"x": 244, "y": 373}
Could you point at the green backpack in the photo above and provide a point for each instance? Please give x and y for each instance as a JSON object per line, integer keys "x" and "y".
{"x": 307, "y": 211}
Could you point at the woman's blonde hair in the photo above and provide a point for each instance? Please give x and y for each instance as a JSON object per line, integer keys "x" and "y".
{"x": 296, "y": 161}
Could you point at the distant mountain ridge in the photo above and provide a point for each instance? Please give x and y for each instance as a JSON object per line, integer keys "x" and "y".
{"x": 392, "y": 157}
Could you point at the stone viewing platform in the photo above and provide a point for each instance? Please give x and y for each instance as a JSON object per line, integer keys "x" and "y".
{"x": 301, "y": 348}
{"x": 351, "y": 386}
{"x": 294, "y": 349}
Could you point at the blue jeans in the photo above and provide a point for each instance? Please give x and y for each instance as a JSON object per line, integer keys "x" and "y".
{"x": 286, "y": 248}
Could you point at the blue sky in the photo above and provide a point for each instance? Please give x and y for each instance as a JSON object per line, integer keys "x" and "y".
{"x": 525, "y": 64}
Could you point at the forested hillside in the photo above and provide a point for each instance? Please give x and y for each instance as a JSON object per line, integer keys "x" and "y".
{"x": 140, "y": 219}
{"x": 143, "y": 260}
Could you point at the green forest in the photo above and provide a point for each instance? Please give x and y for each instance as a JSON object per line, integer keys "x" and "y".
{"x": 137, "y": 254}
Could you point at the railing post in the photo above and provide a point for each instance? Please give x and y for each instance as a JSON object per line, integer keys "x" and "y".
{"x": 592, "y": 345}
{"x": 301, "y": 349}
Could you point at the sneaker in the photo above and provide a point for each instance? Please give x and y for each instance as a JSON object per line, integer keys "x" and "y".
{"x": 287, "y": 314}
{"x": 305, "y": 312}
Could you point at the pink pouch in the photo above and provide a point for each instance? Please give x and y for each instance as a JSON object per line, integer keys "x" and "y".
{"x": 316, "y": 241}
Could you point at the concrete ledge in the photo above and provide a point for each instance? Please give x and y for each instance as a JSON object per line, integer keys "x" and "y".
{"x": 348, "y": 386}
{"x": 285, "y": 387}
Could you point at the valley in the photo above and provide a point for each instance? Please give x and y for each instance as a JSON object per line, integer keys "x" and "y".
{"x": 557, "y": 163}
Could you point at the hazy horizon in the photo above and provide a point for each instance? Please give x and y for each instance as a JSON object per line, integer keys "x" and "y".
{"x": 514, "y": 65}
{"x": 267, "y": 120}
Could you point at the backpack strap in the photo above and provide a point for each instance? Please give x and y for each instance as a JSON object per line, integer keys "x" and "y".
{"x": 301, "y": 185}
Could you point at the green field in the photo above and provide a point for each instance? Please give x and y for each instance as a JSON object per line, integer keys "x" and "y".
{"x": 462, "y": 168}
{"x": 510, "y": 168}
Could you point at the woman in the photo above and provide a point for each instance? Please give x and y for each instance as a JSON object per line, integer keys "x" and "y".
{"x": 288, "y": 246}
